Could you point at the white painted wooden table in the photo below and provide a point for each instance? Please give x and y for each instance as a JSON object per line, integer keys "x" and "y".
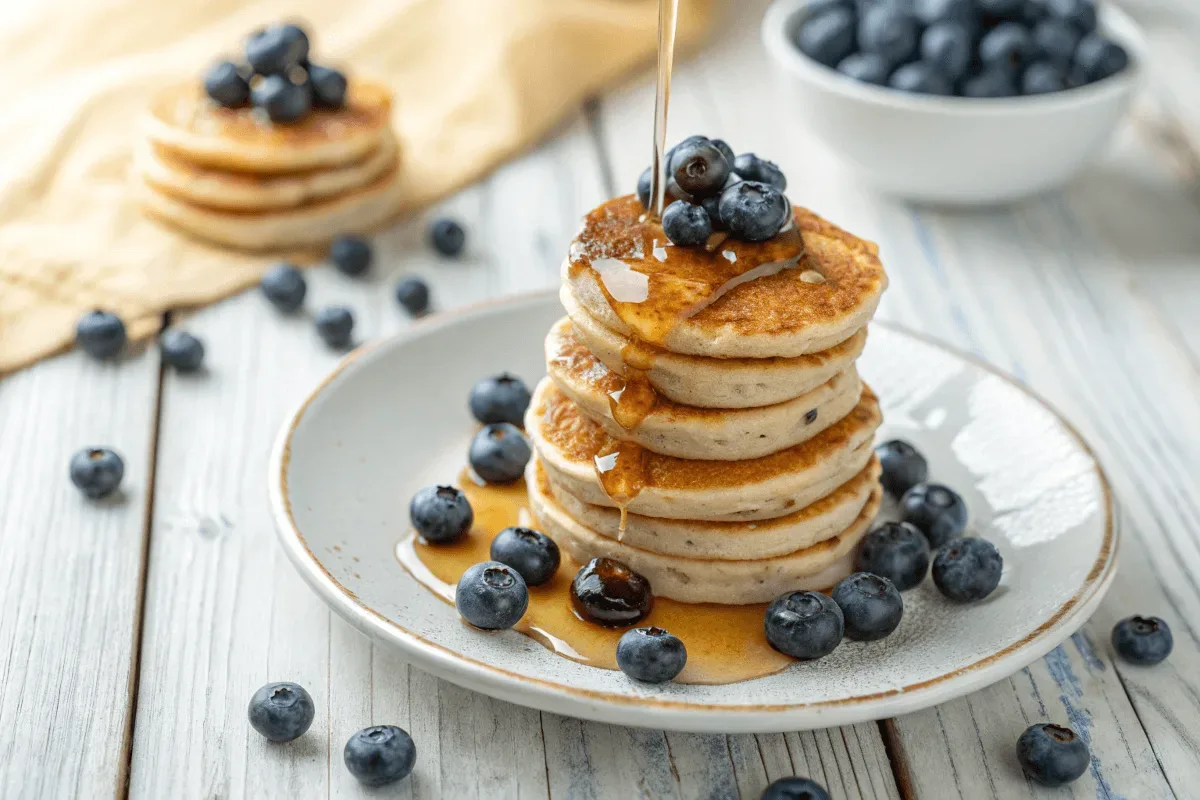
{"x": 132, "y": 634}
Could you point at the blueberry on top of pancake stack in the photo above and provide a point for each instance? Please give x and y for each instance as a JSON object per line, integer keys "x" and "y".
{"x": 702, "y": 421}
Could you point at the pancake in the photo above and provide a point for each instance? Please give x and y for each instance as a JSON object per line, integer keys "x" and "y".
{"x": 688, "y": 432}
{"x": 697, "y": 580}
{"x": 359, "y": 211}
{"x": 245, "y": 191}
{"x": 184, "y": 121}
{"x": 729, "y": 541}
{"x": 714, "y": 382}
{"x": 762, "y": 488}
{"x": 803, "y": 291}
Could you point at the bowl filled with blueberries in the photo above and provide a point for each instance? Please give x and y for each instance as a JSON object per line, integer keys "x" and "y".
{"x": 958, "y": 102}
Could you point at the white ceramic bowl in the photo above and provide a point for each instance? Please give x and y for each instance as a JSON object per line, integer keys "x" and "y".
{"x": 953, "y": 150}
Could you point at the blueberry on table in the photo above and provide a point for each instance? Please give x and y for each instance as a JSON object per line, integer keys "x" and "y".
{"x": 920, "y": 78}
{"x": 440, "y": 514}
{"x": 871, "y": 606}
{"x": 491, "y": 596}
{"x": 699, "y": 168}
{"x": 967, "y": 570}
{"x": 651, "y": 655}
{"x": 499, "y": 453}
{"x": 903, "y": 466}
{"x": 276, "y": 49}
{"x": 1042, "y": 77}
{"x": 1007, "y": 46}
{"x": 1142, "y": 640}
{"x": 500, "y": 398}
{"x": 947, "y": 46}
{"x": 380, "y": 755}
{"x": 181, "y": 350}
{"x": 608, "y": 593}
{"x": 282, "y": 100}
{"x": 992, "y": 83}
{"x": 531, "y": 553}
{"x": 754, "y": 211}
{"x": 804, "y": 625}
{"x": 795, "y": 789}
{"x": 828, "y": 36}
{"x": 328, "y": 86}
{"x": 447, "y": 236}
{"x": 1080, "y": 14}
{"x": 643, "y": 186}
{"x": 750, "y": 167}
{"x": 97, "y": 471}
{"x": 225, "y": 84}
{"x": 1052, "y": 755}
{"x": 412, "y": 294}
{"x": 934, "y": 510}
{"x": 1096, "y": 58}
{"x": 335, "y": 326}
{"x": 1055, "y": 41}
{"x": 284, "y": 287}
{"x": 281, "y": 711}
{"x": 889, "y": 30}
{"x": 100, "y": 334}
{"x": 866, "y": 67}
{"x": 896, "y": 551}
{"x": 686, "y": 224}
{"x": 351, "y": 254}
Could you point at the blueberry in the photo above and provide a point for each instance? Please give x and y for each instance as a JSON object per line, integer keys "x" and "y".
{"x": 607, "y": 592}
{"x": 282, "y": 100}
{"x": 753, "y": 211}
{"x": 1055, "y": 41}
{"x": 447, "y": 236}
{"x": 351, "y": 254}
{"x": 1042, "y": 77}
{"x": 699, "y": 168}
{"x": 276, "y": 49}
{"x": 281, "y": 711}
{"x": 827, "y": 37}
{"x": 990, "y": 84}
{"x": 100, "y": 334}
{"x": 650, "y": 655}
{"x": 1002, "y": 9}
{"x": 795, "y": 789}
{"x": 335, "y": 326}
{"x": 814, "y": 7}
{"x": 805, "y": 625}
{"x": 947, "y": 46}
{"x": 529, "y": 552}
{"x": 725, "y": 149}
{"x": 1052, "y": 755}
{"x": 643, "y": 186}
{"x": 967, "y": 570}
{"x": 871, "y": 606}
{"x": 930, "y": 12}
{"x": 865, "y": 67}
{"x": 97, "y": 471}
{"x": 897, "y": 551}
{"x": 1081, "y": 14}
{"x": 712, "y": 205}
{"x": 491, "y": 596}
{"x": 686, "y": 224}
{"x": 225, "y": 84}
{"x": 920, "y": 78}
{"x": 889, "y": 31}
{"x": 380, "y": 755}
{"x": 934, "y": 510}
{"x": 181, "y": 350}
{"x": 1033, "y": 11}
{"x": 499, "y": 453}
{"x": 284, "y": 287}
{"x": 500, "y": 398}
{"x": 903, "y": 466}
{"x": 440, "y": 514}
{"x": 1007, "y": 46}
{"x": 750, "y": 167}
{"x": 413, "y": 294}
{"x": 328, "y": 86}
{"x": 1142, "y": 640}
{"x": 1096, "y": 58}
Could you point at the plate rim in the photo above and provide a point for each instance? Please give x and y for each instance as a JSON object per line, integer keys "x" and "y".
{"x": 677, "y": 714}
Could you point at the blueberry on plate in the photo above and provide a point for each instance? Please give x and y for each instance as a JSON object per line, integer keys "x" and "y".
{"x": 699, "y": 168}
{"x": 1055, "y": 41}
{"x": 335, "y": 326}
{"x": 282, "y": 100}
{"x": 607, "y": 592}
{"x": 328, "y": 86}
{"x": 992, "y": 83}
{"x": 440, "y": 514}
{"x": 276, "y": 49}
{"x": 903, "y": 466}
{"x": 804, "y": 625}
{"x": 380, "y": 755}
{"x": 866, "y": 67}
{"x": 281, "y": 711}
{"x": 686, "y": 224}
{"x": 947, "y": 46}
{"x": 447, "y": 236}
{"x": 827, "y": 37}
{"x": 351, "y": 254}
{"x": 1096, "y": 58}
{"x": 650, "y": 655}
{"x": 967, "y": 569}
{"x": 934, "y": 510}
{"x": 896, "y": 551}
{"x": 531, "y": 553}
{"x": 284, "y": 287}
{"x": 412, "y": 294}
{"x": 225, "y": 84}
{"x": 889, "y": 30}
{"x": 492, "y": 596}
{"x": 1042, "y": 77}
{"x": 753, "y": 211}
{"x": 499, "y": 453}
{"x": 795, "y": 789}
{"x": 931, "y": 12}
{"x": 1080, "y": 14}
{"x": 1007, "y": 46}
{"x": 1142, "y": 640}
{"x": 500, "y": 398}
{"x": 871, "y": 606}
{"x": 1052, "y": 755}
{"x": 181, "y": 350}
{"x": 643, "y": 186}
{"x": 750, "y": 167}
{"x": 100, "y": 334}
{"x": 97, "y": 471}
{"x": 920, "y": 78}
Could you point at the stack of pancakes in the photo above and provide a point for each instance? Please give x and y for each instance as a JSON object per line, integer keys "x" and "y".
{"x": 232, "y": 177}
{"x": 703, "y": 421}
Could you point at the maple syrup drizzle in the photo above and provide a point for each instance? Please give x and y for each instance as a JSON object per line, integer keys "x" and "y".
{"x": 622, "y": 475}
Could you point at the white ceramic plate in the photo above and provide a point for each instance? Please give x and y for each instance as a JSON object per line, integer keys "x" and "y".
{"x": 392, "y": 418}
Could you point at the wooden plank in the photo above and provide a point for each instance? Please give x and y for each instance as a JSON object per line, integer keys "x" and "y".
{"x": 70, "y": 573}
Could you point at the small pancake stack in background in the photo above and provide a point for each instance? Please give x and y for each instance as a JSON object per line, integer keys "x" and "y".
{"x": 270, "y": 153}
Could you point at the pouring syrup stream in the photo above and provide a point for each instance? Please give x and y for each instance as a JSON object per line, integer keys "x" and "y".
{"x": 668, "y": 14}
